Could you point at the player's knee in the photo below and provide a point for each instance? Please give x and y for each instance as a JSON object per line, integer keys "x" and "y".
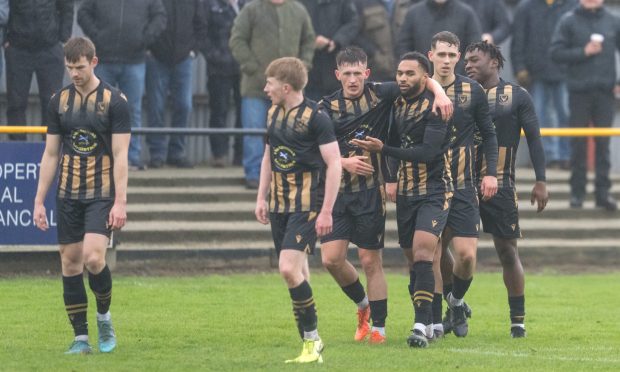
{"x": 94, "y": 262}
{"x": 507, "y": 253}
{"x": 71, "y": 264}
{"x": 371, "y": 263}
{"x": 332, "y": 262}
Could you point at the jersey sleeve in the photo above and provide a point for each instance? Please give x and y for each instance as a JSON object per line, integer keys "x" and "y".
{"x": 529, "y": 122}
{"x": 431, "y": 145}
{"x": 322, "y": 128}
{"x": 53, "y": 118}
{"x": 484, "y": 124}
{"x": 120, "y": 119}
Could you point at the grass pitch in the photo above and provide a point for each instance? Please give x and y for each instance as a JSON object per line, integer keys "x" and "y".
{"x": 245, "y": 322}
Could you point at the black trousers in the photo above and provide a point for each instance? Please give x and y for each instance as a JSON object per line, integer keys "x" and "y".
{"x": 220, "y": 90}
{"x": 596, "y": 107}
{"x": 48, "y": 64}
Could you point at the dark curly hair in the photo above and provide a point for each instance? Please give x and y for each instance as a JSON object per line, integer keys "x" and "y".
{"x": 491, "y": 49}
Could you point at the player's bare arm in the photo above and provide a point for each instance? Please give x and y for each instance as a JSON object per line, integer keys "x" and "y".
{"x": 47, "y": 172}
{"x": 331, "y": 156}
{"x": 262, "y": 209}
{"x": 120, "y": 149}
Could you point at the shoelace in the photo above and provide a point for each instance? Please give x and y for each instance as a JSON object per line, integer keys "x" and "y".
{"x": 106, "y": 330}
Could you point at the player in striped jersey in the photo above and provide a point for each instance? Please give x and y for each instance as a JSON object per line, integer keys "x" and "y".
{"x": 512, "y": 111}
{"x": 301, "y": 191}
{"x": 471, "y": 114}
{"x": 88, "y": 134}
{"x": 362, "y": 108}
{"x": 418, "y": 140}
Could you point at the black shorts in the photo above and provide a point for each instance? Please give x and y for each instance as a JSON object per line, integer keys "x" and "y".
{"x": 78, "y": 217}
{"x": 294, "y": 231}
{"x": 464, "y": 217}
{"x": 426, "y": 213}
{"x": 500, "y": 215}
{"x": 359, "y": 217}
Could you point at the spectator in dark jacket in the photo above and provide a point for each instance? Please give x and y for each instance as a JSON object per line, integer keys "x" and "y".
{"x": 122, "y": 30}
{"x": 224, "y": 77}
{"x": 427, "y": 18}
{"x": 494, "y": 19}
{"x": 587, "y": 40}
{"x": 169, "y": 70}
{"x": 380, "y": 22}
{"x": 336, "y": 24}
{"x": 533, "y": 26}
{"x": 35, "y": 34}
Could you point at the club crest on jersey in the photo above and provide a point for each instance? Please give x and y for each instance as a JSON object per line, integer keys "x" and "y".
{"x": 463, "y": 99}
{"x": 100, "y": 107}
{"x": 283, "y": 157}
{"x": 503, "y": 99}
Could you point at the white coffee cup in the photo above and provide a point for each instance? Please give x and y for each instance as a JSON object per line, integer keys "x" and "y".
{"x": 597, "y": 38}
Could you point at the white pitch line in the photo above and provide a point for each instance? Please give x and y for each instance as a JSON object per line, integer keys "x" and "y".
{"x": 527, "y": 355}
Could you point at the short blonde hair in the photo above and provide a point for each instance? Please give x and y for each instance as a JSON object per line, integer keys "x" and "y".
{"x": 289, "y": 70}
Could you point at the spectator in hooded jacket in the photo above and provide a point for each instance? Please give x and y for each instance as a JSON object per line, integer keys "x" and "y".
{"x": 122, "y": 30}
{"x": 224, "y": 77}
{"x": 33, "y": 45}
{"x": 169, "y": 71}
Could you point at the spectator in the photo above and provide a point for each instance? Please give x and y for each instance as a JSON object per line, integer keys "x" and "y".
{"x": 35, "y": 33}
{"x": 381, "y": 21}
{"x": 223, "y": 81}
{"x": 533, "y": 26}
{"x": 587, "y": 39}
{"x": 494, "y": 19}
{"x": 264, "y": 31}
{"x": 122, "y": 30}
{"x": 336, "y": 24}
{"x": 4, "y": 19}
{"x": 427, "y": 18}
{"x": 169, "y": 69}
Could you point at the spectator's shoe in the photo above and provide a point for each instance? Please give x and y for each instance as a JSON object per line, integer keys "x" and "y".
{"x": 136, "y": 166}
{"x": 363, "y": 324}
{"x": 310, "y": 353}
{"x": 576, "y": 202}
{"x": 376, "y": 338}
{"x": 608, "y": 203}
{"x": 458, "y": 319}
{"x": 79, "y": 347}
{"x": 517, "y": 332}
{"x": 417, "y": 339}
{"x": 107, "y": 337}
{"x": 251, "y": 184}
{"x": 219, "y": 162}
{"x": 156, "y": 164}
{"x": 180, "y": 163}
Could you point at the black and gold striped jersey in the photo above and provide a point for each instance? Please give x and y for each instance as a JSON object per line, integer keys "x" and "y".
{"x": 86, "y": 124}
{"x": 367, "y": 115}
{"x": 418, "y": 138}
{"x": 471, "y": 114}
{"x": 512, "y": 109}
{"x": 298, "y": 170}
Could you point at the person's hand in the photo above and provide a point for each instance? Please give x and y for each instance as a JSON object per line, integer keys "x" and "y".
{"x": 331, "y": 46}
{"x": 445, "y": 107}
{"x": 40, "y": 219}
{"x": 369, "y": 144}
{"x": 390, "y": 191}
{"x": 321, "y": 42}
{"x": 261, "y": 212}
{"x": 540, "y": 195}
{"x": 323, "y": 224}
{"x": 488, "y": 187}
{"x": 592, "y": 48}
{"x": 523, "y": 78}
{"x": 488, "y": 38}
{"x": 357, "y": 165}
{"x": 118, "y": 216}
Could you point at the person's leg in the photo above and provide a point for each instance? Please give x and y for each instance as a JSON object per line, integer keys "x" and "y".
{"x": 131, "y": 83}
{"x": 560, "y": 105}
{"x": 514, "y": 280}
{"x": 50, "y": 71}
{"x": 580, "y": 116}
{"x": 156, "y": 83}
{"x": 220, "y": 89}
{"x": 541, "y": 96}
{"x": 238, "y": 144}
{"x": 181, "y": 92}
{"x": 19, "y": 70}
{"x": 372, "y": 264}
{"x": 253, "y": 116}
{"x": 602, "y": 117}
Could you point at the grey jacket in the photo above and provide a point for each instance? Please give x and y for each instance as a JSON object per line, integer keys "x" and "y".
{"x": 596, "y": 72}
{"x": 493, "y": 17}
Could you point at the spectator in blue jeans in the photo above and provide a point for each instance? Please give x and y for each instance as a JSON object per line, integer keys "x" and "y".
{"x": 224, "y": 77}
{"x": 533, "y": 26}
{"x": 169, "y": 70}
{"x": 4, "y": 19}
{"x": 122, "y": 30}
